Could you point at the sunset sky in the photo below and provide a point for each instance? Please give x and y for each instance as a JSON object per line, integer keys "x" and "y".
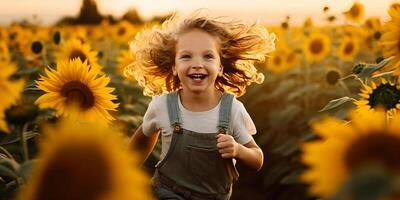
{"x": 267, "y": 11}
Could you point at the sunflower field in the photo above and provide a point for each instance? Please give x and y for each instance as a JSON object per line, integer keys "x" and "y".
{"x": 326, "y": 115}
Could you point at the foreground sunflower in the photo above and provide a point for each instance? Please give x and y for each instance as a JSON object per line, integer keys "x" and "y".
{"x": 355, "y": 13}
{"x": 390, "y": 40}
{"x": 85, "y": 162}
{"x": 316, "y": 47}
{"x": 73, "y": 84}
{"x": 10, "y": 90}
{"x": 75, "y": 48}
{"x": 368, "y": 139}
{"x": 382, "y": 93}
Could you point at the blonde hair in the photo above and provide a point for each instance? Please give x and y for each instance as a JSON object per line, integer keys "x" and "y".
{"x": 240, "y": 46}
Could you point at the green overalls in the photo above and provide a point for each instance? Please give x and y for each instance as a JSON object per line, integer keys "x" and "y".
{"x": 193, "y": 168}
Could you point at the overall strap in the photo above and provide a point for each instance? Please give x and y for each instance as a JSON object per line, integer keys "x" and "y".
{"x": 225, "y": 111}
{"x": 173, "y": 110}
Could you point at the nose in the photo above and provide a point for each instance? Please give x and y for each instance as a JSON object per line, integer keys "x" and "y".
{"x": 197, "y": 64}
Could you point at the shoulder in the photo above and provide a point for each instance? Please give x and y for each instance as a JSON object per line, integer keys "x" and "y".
{"x": 159, "y": 101}
{"x": 237, "y": 107}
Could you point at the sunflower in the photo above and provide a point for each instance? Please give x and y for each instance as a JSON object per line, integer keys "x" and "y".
{"x": 74, "y": 48}
{"x": 124, "y": 59}
{"x": 73, "y": 84}
{"x": 308, "y": 23}
{"x": 390, "y": 40}
{"x": 12, "y": 89}
{"x": 372, "y": 23}
{"x": 355, "y": 13}
{"x": 85, "y": 162}
{"x": 383, "y": 93}
{"x": 292, "y": 59}
{"x": 332, "y": 75}
{"x": 368, "y": 139}
{"x": 316, "y": 47}
{"x": 4, "y": 52}
{"x": 123, "y": 31}
{"x": 276, "y": 62}
{"x": 348, "y": 48}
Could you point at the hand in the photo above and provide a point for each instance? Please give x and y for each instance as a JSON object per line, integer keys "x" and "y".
{"x": 227, "y": 146}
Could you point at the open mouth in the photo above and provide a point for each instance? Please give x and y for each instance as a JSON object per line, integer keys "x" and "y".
{"x": 197, "y": 76}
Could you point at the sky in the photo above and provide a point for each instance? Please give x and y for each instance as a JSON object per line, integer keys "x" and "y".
{"x": 266, "y": 11}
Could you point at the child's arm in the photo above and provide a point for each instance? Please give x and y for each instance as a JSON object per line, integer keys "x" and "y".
{"x": 249, "y": 153}
{"x": 143, "y": 144}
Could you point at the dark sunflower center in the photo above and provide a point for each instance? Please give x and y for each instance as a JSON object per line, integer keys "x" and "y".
{"x": 121, "y": 31}
{"x": 316, "y": 46}
{"x": 36, "y": 47}
{"x": 78, "y": 172}
{"x": 57, "y": 37}
{"x": 348, "y": 49}
{"x": 332, "y": 77}
{"x": 381, "y": 148}
{"x": 385, "y": 95}
{"x": 78, "y": 54}
{"x": 355, "y": 11}
{"x": 290, "y": 58}
{"x": 277, "y": 61}
{"x": 78, "y": 93}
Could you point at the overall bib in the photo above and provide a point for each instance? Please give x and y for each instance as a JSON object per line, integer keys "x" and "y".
{"x": 193, "y": 168}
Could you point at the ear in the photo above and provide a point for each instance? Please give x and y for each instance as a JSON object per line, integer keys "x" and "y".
{"x": 221, "y": 71}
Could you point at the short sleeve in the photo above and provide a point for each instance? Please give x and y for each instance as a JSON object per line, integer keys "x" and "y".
{"x": 150, "y": 125}
{"x": 242, "y": 124}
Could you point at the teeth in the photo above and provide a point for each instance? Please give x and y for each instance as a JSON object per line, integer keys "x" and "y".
{"x": 197, "y": 76}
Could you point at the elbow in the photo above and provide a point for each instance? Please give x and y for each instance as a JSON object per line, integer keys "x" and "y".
{"x": 260, "y": 161}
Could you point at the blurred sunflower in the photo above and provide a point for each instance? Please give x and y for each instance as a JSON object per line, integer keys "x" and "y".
{"x": 395, "y": 5}
{"x": 390, "y": 40}
{"x": 72, "y": 84}
{"x": 308, "y": 23}
{"x": 124, "y": 59}
{"x": 292, "y": 59}
{"x": 355, "y": 13}
{"x": 368, "y": 139}
{"x": 11, "y": 90}
{"x": 384, "y": 94}
{"x": 372, "y": 23}
{"x": 4, "y": 52}
{"x": 348, "y": 48}
{"x": 316, "y": 47}
{"x": 123, "y": 31}
{"x": 332, "y": 75}
{"x": 74, "y": 48}
{"x": 276, "y": 62}
{"x": 85, "y": 162}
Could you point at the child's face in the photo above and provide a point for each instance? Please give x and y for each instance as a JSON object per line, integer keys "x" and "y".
{"x": 197, "y": 61}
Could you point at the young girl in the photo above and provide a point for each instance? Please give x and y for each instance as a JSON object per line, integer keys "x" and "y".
{"x": 196, "y": 65}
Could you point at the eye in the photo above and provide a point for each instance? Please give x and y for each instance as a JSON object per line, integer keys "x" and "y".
{"x": 185, "y": 56}
{"x": 209, "y": 56}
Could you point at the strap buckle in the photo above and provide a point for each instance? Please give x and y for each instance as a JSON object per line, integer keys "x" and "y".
{"x": 177, "y": 127}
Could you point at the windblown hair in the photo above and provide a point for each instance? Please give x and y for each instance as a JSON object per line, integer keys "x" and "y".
{"x": 240, "y": 45}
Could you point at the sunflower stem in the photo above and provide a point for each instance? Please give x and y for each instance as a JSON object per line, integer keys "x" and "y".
{"x": 24, "y": 146}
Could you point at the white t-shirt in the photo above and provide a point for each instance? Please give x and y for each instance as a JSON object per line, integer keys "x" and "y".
{"x": 156, "y": 118}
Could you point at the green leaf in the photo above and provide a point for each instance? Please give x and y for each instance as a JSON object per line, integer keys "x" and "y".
{"x": 25, "y": 168}
{"x": 10, "y": 164}
{"x": 6, "y": 172}
{"x": 336, "y": 102}
{"x": 367, "y": 71}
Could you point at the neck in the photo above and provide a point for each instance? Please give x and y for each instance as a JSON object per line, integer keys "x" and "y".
{"x": 198, "y": 102}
